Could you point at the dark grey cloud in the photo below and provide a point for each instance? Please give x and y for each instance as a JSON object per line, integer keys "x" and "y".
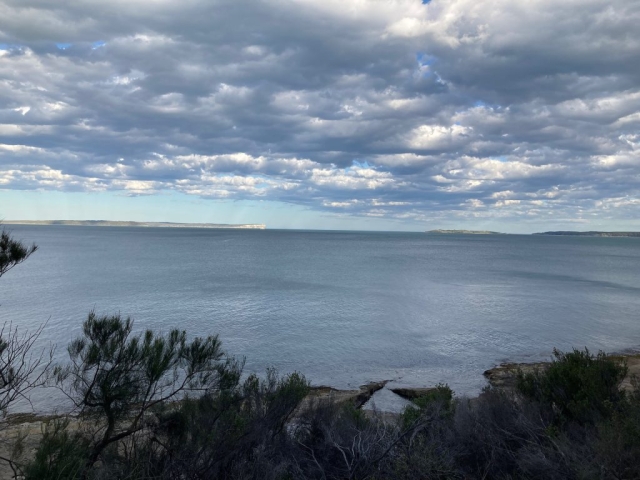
{"x": 396, "y": 109}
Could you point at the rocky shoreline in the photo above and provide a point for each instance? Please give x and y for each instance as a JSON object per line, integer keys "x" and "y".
{"x": 505, "y": 375}
{"x": 30, "y": 426}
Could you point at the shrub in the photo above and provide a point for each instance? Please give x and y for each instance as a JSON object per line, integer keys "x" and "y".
{"x": 341, "y": 442}
{"x": 500, "y": 436}
{"x": 154, "y": 406}
{"x": 231, "y": 430}
{"x": 440, "y": 400}
{"x": 567, "y": 422}
{"x": 428, "y": 448}
{"x": 578, "y": 386}
{"x": 617, "y": 445}
{"x": 116, "y": 379}
{"x": 60, "y": 455}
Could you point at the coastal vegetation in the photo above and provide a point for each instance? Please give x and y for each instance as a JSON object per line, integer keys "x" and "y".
{"x": 569, "y": 420}
{"x": 146, "y": 405}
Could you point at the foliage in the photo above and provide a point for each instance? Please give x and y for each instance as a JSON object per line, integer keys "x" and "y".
{"x": 231, "y": 430}
{"x": 21, "y": 369}
{"x": 617, "y": 444}
{"x": 60, "y": 455}
{"x": 160, "y": 407}
{"x": 339, "y": 441}
{"x": 578, "y": 386}
{"x": 115, "y": 378}
{"x": 439, "y": 398}
{"x": 12, "y": 252}
{"x": 260, "y": 428}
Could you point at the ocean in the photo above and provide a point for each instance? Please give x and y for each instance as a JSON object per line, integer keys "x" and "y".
{"x": 344, "y": 308}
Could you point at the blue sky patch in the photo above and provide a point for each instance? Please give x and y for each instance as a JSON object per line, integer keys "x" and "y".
{"x": 425, "y": 59}
{"x": 358, "y": 163}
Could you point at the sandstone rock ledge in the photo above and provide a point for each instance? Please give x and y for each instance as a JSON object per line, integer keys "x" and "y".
{"x": 357, "y": 397}
{"x": 506, "y": 374}
{"x": 413, "y": 393}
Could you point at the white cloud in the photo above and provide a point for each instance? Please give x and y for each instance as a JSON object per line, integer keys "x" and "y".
{"x": 386, "y": 109}
{"x": 434, "y": 137}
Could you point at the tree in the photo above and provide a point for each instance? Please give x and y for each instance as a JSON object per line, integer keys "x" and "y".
{"x": 116, "y": 377}
{"x": 13, "y": 252}
{"x": 159, "y": 406}
{"x": 21, "y": 370}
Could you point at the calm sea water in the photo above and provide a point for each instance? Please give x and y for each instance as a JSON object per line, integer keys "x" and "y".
{"x": 344, "y": 308}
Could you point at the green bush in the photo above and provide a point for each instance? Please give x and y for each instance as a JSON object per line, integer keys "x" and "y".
{"x": 229, "y": 431}
{"x": 159, "y": 407}
{"x": 618, "y": 441}
{"x": 578, "y": 386}
{"x": 439, "y": 399}
{"x": 60, "y": 455}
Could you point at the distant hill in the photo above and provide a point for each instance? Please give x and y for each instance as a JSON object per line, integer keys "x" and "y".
{"x": 592, "y": 234}
{"x": 465, "y": 232}
{"x": 106, "y": 223}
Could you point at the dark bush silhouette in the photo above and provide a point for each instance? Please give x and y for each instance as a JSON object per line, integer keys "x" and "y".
{"x": 232, "y": 430}
{"x": 578, "y": 386}
{"x": 61, "y": 453}
{"x": 259, "y": 428}
{"x": 115, "y": 378}
{"x": 13, "y": 252}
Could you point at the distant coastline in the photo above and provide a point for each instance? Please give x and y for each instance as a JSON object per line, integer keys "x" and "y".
{"x": 107, "y": 223}
{"x": 568, "y": 233}
{"x": 464, "y": 232}
{"x": 591, "y": 234}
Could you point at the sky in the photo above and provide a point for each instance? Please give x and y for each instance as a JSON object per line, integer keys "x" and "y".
{"x": 516, "y": 116}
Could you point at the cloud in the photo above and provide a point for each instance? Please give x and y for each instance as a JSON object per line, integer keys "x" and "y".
{"x": 398, "y": 109}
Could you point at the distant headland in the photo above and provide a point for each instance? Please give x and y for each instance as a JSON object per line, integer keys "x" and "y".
{"x": 592, "y": 234}
{"x": 464, "y": 232}
{"x": 558, "y": 233}
{"x": 107, "y": 223}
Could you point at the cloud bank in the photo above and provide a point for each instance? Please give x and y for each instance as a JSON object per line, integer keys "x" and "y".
{"x": 399, "y": 109}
